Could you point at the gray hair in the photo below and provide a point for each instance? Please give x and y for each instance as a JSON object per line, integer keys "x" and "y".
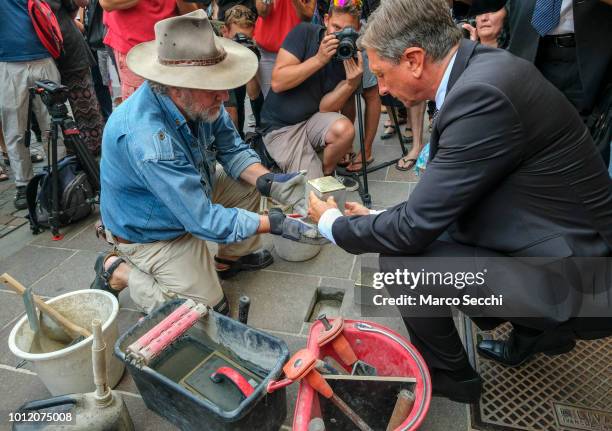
{"x": 400, "y": 24}
{"x": 158, "y": 88}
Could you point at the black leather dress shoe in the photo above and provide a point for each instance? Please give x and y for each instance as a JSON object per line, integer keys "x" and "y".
{"x": 504, "y": 352}
{"x": 465, "y": 391}
{"x": 251, "y": 262}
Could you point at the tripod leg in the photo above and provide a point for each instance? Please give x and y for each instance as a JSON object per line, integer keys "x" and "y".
{"x": 55, "y": 207}
{"x": 365, "y": 194}
{"x": 398, "y": 131}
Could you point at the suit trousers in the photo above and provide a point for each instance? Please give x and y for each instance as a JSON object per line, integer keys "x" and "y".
{"x": 540, "y": 295}
{"x": 560, "y": 66}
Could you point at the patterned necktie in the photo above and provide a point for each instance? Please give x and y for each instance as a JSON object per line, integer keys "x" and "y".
{"x": 546, "y": 16}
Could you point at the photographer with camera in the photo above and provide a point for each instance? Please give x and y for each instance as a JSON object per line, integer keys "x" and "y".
{"x": 317, "y": 71}
{"x": 239, "y": 26}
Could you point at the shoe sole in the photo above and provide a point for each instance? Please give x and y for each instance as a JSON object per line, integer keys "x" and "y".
{"x": 224, "y": 275}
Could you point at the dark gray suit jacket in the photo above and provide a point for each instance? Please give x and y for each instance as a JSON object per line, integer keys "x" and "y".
{"x": 512, "y": 169}
{"x": 593, "y": 32}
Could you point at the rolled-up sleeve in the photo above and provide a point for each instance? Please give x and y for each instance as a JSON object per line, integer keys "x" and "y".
{"x": 232, "y": 152}
{"x": 176, "y": 183}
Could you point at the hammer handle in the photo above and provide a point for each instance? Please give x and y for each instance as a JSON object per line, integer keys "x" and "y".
{"x": 72, "y": 328}
{"x": 403, "y": 407}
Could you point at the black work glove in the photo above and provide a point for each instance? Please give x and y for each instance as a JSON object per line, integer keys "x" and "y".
{"x": 294, "y": 229}
{"x": 288, "y": 189}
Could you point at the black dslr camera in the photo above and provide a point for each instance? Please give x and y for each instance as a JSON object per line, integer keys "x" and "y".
{"x": 470, "y": 21}
{"x": 247, "y": 42}
{"x": 51, "y": 93}
{"x": 347, "y": 48}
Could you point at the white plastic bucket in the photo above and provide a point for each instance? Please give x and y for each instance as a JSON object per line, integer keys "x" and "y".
{"x": 69, "y": 370}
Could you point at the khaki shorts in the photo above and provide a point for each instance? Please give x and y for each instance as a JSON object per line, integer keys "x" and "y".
{"x": 295, "y": 147}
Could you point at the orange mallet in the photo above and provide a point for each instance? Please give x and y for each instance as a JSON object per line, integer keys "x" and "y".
{"x": 302, "y": 366}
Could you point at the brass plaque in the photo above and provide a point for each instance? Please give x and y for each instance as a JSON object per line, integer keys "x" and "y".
{"x": 580, "y": 418}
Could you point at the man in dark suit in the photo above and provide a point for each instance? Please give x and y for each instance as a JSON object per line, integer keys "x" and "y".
{"x": 512, "y": 172}
{"x": 569, "y": 44}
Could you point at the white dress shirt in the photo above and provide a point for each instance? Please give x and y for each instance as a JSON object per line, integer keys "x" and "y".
{"x": 566, "y": 23}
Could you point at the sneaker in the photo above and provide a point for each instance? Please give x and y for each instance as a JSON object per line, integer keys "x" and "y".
{"x": 21, "y": 202}
{"x": 349, "y": 183}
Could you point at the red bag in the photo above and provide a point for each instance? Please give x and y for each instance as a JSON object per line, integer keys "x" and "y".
{"x": 46, "y": 26}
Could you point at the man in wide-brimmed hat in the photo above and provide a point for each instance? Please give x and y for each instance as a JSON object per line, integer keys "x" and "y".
{"x": 176, "y": 174}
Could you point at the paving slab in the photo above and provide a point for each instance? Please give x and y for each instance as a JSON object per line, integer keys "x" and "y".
{"x": 74, "y": 273}
{"x": 12, "y": 308}
{"x": 31, "y": 263}
{"x": 279, "y": 301}
{"x": 445, "y": 415}
{"x": 69, "y": 232}
{"x": 86, "y": 240}
{"x": 331, "y": 261}
{"x": 23, "y": 387}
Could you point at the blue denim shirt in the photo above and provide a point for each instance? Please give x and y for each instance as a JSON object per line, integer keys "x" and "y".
{"x": 157, "y": 177}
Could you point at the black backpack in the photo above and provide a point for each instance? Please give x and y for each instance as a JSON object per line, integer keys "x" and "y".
{"x": 76, "y": 195}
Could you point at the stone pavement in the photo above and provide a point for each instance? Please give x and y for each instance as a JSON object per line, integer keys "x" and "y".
{"x": 280, "y": 295}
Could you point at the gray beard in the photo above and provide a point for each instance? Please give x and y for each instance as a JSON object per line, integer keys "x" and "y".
{"x": 201, "y": 116}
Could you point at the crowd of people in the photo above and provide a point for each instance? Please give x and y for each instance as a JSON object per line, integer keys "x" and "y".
{"x": 176, "y": 171}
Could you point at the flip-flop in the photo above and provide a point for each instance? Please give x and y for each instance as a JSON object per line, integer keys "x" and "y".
{"x": 344, "y": 163}
{"x": 3, "y": 175}
{"x": 368, "y": 163}
{"x": 389, "y": 133}
{"x": 405, "y": 160}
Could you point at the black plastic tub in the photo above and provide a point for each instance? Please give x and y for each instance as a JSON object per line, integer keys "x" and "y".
{"x": 257, "y": 352}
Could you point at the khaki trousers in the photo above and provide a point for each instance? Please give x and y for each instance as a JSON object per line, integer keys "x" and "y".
{"x": 184, "y": 267}
{"x": 15, "y": 79}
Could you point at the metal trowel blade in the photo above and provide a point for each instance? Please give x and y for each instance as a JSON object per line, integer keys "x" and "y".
{"x": 361, "y": 368}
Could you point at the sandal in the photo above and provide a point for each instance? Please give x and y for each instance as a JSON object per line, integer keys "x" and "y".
{"x": 347, "y": 159}
{"x": 360, "y": 164}
{"x": 251, "y": 262}
{"x": 411, "y": 162}
{"x": 103, "y": 275}
{"x": 3, "y": 175}
{"x": 389, "y": 130}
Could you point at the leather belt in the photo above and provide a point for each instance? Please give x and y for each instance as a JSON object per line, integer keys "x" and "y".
{"x": 121, "y": 240}
{"x": 561, "y": 40}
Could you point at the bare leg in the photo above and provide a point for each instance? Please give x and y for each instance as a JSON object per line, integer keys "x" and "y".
{"x": 417, "y": 116}
{"x": 372, "y": 117}
{"x": 338, "y": 141}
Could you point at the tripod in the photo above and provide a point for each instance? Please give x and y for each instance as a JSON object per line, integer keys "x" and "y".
{"x": 362, "y": 176}
{"x": 54, "y": 96}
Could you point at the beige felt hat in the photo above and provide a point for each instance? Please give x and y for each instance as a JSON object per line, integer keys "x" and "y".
{"x": 186, "y": 53}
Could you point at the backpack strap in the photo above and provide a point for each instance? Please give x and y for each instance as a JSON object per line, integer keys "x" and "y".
{"x": 31, "y": 196}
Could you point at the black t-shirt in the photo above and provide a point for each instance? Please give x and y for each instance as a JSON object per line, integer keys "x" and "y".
{"x": 302, "y": 102}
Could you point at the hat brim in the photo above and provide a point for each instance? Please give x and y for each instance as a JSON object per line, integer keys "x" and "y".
{"x": 238, "y": 67}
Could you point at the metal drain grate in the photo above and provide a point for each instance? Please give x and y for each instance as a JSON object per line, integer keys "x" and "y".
{"x": 566, "y": 392}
